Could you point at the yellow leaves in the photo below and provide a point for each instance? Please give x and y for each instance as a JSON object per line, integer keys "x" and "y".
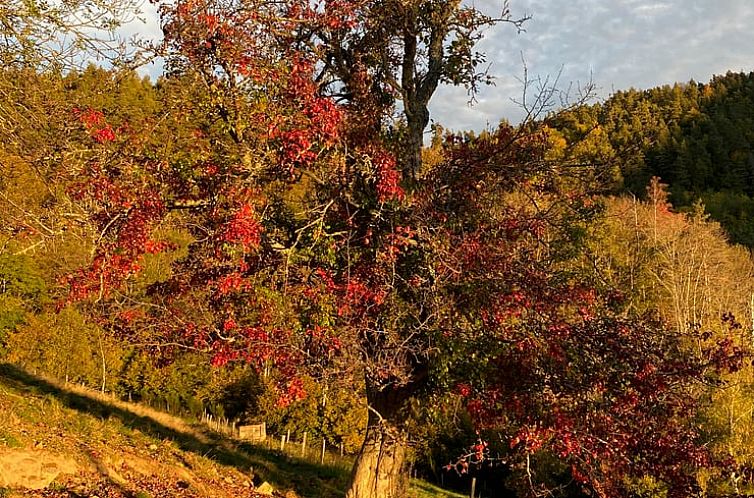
{"x": 556, "y": 144}
{"x": 678, "y": 263}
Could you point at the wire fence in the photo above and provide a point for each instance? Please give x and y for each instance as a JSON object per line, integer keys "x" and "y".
{"x": 311, "y": 450}
{"x": 308, "y": 449}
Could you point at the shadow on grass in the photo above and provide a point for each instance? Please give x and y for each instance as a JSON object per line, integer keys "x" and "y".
{"x": 283, "y": 472}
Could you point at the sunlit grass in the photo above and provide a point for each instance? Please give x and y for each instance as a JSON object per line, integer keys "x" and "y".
{"x": 423, "y": 489}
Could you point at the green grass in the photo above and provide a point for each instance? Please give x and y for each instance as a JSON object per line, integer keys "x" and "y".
{"x": 423, "y": 489}
{"x": 56, "y": 486}
{"x": 9, "y": 440}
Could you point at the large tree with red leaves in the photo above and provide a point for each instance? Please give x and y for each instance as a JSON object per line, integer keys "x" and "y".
{"x": 319, "y": 246}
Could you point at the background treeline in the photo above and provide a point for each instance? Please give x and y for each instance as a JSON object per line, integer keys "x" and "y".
{"x": 659, "y": 247}
{"x": 697, "y": 137}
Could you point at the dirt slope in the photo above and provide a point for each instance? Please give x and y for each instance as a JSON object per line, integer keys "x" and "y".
{"x": 60, "y": 440}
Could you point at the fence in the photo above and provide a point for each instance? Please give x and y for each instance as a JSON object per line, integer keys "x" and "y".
{"x": 311, "y": 450}
{"x": 307, "y": 449}
{"x": 221, "y": 425}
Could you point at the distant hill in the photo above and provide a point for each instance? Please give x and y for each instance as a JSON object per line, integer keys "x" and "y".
{"x": 697, "y": 137}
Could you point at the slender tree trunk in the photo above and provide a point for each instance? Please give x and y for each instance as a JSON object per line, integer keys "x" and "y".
{"x": 104, "y": 364}
{"x": 380, "y": 470}
{"x": 417, "y": 118}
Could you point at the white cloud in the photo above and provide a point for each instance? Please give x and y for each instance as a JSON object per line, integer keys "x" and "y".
{"x": 146, "y": 27}
{"x": 623, "y": 43}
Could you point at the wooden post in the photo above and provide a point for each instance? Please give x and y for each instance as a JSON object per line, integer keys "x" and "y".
{"x": 473, "y": 487}
{"x": 322, "y": 457}
{"x": 303, "y": 446}
{"x": 282, "y": 442}
{"x": 288, "y": 436}
{"x": 341, "y": 449}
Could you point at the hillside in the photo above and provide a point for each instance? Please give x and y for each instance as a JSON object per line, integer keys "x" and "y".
{"x": 60, "y": 440}
{"x": 697, "y": 137}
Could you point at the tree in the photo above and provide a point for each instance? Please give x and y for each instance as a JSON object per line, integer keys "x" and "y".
{"x": 38, "y": 33}
{"x": 371, "y": 54}
{"x": 682, "y": 265}
{"x": 692, "y": 135}
{"x": 396, "y": 50}
{"x": 316, "y": 251}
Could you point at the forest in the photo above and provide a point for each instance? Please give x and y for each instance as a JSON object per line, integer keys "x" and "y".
{"x": 695, "y": 136}
{"x": 564, "y": 305}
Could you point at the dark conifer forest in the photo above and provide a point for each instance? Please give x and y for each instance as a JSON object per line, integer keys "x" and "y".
{"x": 697, "y": 137}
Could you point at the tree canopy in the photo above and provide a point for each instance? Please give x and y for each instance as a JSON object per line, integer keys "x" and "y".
{"x": 61, "y": 33}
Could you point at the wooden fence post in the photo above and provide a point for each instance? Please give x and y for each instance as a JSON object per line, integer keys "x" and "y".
{"x": 473, "y": 487}
{"x": 322, "y": 458}
{"x": 303, "y": 446}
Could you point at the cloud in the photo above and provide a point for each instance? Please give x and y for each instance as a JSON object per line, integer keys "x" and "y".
{"x": 619, "y": 44}
{"x": 146, "y": 27}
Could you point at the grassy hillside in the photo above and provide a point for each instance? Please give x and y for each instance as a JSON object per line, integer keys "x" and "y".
{"x": 61, "y": 441}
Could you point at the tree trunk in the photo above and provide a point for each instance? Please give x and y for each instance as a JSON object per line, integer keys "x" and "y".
{"x": 417, "y": 118}
{"x": 380, "y": 470}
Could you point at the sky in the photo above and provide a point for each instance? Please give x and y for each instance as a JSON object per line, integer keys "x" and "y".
{"x": 615, "y": 44}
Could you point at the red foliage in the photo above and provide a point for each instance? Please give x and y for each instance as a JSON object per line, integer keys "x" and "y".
{"x": 388, "y": 177}
{"x": 297, "y": 147}
{"x": 294, "y": 391}
{"x": 89, "y": 117}
{"x": 357, "y": 296}
{"x": 126, "y": 223}
{"x": 95, "y": 124}
{"x": 563, "y": 373}
{"x": 396, "y": 243}
{"x": 243, "y": 228}
{"x": 104, "y": 134}
{"x": 229, "y": 284}
{"x": 325, "y": 117}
